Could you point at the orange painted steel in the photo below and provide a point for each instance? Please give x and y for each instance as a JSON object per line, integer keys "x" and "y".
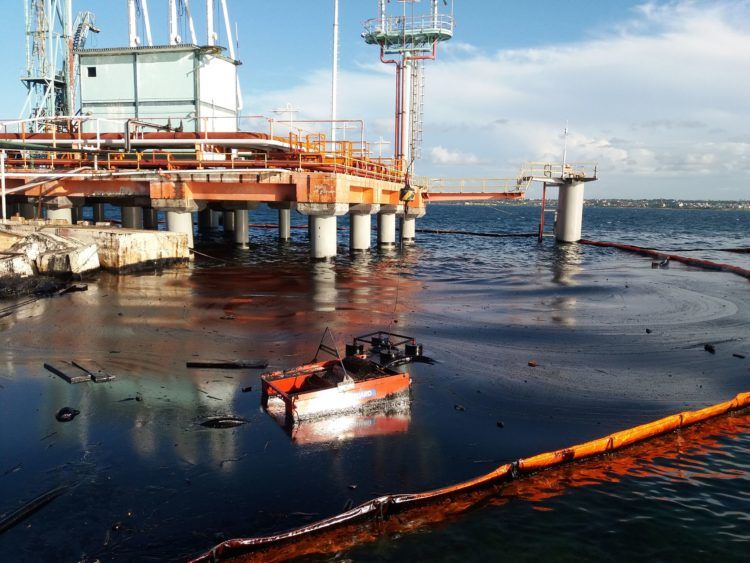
{"x": 697, "y": 262}
{"x": 302, "y": 400}
{"x": 159, "y": 150}
{"x": 347, "y": 529}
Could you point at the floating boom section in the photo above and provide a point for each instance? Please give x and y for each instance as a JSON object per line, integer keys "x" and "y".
{"x": 350, "y": 528}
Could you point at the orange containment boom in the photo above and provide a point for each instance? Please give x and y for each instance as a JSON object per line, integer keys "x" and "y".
{"x": 321, "y": 537}
{"x": 697, "y": 262}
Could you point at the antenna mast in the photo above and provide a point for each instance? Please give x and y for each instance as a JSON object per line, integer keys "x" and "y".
{"x": 335, "y": 71}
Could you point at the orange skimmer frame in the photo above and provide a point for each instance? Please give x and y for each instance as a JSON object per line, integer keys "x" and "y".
{"x": 341, "y": 385}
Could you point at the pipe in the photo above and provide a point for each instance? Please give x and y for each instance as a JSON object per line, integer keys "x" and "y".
{"x": 2, "y": 182}
{"x": 133, "y": 39}
{"x": 228, "y": 26}
{"x": 397, "y": 133}
{"x": 174, "y": 37}
{"x": 170, "y": 142}
{"x": 697, "y": 262}
{"x": 541, "y": 217}
{"x": 147, "y": 23}
{"x": 191, "y": 23}
{"x": 210, "y": 31}
{"x": 106, "y": 175}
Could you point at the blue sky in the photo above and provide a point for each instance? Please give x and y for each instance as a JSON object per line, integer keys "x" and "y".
{"x": 655, "y": 92}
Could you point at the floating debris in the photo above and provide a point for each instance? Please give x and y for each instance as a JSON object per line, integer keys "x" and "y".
{"x": 97, "y": 373}
{"x": 12, "y": 469}
{"x": 73, "y": 288}
{"x": 138, "y": 398}
{"x": 740, "y": 356}
{"x": 228, "y": 364}
{"x": 30, "y": 508}
{"x": 68, "y": 372}
{"x": 224, "y": 422}
{"x": 66, "y": 414}
{"x": 709, "y": 348}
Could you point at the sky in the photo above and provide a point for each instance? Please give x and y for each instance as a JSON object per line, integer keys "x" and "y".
{"x": 655, "y": 93}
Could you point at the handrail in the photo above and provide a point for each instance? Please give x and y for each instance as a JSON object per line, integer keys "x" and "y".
{"x": 440, "y": 23}
{"x": 558, "y": 170}
{"x": 476, "y": 185}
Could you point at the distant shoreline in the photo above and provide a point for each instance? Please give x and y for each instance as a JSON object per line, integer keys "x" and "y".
{"x": 717, "y": 205}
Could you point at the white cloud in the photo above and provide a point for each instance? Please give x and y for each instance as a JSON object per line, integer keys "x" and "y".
{"x": 441, "y": 156}
{"x": 660, "y": 102}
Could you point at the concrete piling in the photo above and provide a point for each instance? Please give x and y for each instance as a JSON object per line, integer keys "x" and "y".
{"x": 181, "y": 222}
{"x": 60, "y": 214}
{"x": 322, "y": 227}
{"x": 285, "y": 224}
{"x": 150, "y": 219}
{"x": 408, "y": 229}
{"x": 132, "y": 217}
{"x": 569, "y": 212}
{"x": 27, "y": 210}
{"x": 387, "y": 227}
{"x": 204, "y": 220}
{"x": 98, "y": 209}
{"x": 215, "y": 219}
{"x": 323, "y": 237}
{"x": 228, "y": 222}
{"x": 241, "y": 227}
{"x": 360, "y": 227}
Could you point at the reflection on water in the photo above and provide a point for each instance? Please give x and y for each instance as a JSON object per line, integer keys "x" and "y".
{"x": 324, "y": 286}
{"x": 690, "y": 486}
{"x": 391, "y": 417}
{"x": 482, "y": 306}
{"x": 566, "y": 264}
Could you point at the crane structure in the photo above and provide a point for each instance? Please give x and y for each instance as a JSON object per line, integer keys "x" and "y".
{"x": 52, "y": 38}
{"x": 49, "y": 47}
{"x": 407, "y": 40}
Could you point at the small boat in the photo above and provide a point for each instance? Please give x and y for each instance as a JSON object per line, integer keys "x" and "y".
{"x": 364, "y": 378}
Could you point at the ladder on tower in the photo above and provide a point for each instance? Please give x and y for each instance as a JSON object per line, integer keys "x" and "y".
{"x": 417, "y": 109}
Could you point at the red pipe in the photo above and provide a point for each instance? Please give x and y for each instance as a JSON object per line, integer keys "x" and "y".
{"x": 541, "y": 218}
{"x": 697, "y": 262}
{"x": 431, "y": 57}
{"x": 397, "y": 133}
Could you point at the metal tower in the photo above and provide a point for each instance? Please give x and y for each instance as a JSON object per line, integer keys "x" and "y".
{"x": 407, "y": 40}
{"x": 52, "y": 38}
{"x": 49, "y": 58}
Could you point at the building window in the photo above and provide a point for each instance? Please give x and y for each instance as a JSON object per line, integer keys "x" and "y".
{"x": 92, "y": 71}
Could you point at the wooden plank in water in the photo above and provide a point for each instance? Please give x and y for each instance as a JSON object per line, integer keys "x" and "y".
{"x": 228, "y": 364}
{"x": 97, "y": 372}
{"x": 68, "y": 372}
